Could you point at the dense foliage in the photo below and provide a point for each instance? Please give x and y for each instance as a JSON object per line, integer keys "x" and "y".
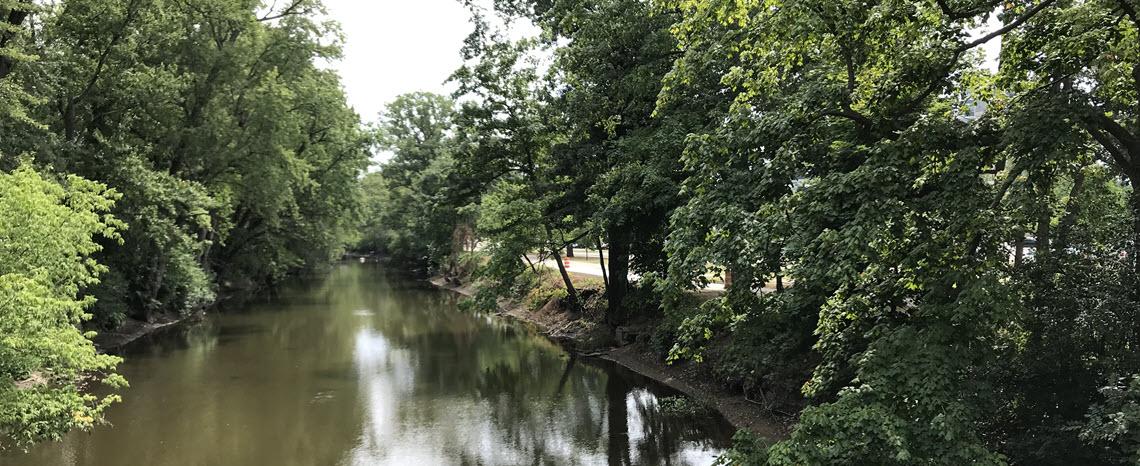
{"x": 411, "y": 202}
{"x": 48, "y": 231}
{"x": 937, "y": 250}
{"x": 221, "y": 156}
{"x": 235, "y": 154}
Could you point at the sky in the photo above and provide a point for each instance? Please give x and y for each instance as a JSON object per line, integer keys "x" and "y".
{"x": 398, "y": 46}
{"x": 394, "y": 47}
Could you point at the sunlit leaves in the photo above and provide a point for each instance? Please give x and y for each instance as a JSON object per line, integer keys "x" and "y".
{"x": 48, "y": 233}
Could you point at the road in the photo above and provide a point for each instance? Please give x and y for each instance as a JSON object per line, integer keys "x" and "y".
{"x": 593, "y": 268}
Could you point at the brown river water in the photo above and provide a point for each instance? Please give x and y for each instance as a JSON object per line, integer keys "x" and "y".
{"x": 362, "y": 367}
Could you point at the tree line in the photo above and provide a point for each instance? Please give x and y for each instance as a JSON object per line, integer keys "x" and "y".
{"x": 933, "y": 253}
{"x": 154, "y": 155}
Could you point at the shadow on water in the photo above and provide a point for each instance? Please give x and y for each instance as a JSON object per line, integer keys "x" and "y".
{"x": 363, "y": 367}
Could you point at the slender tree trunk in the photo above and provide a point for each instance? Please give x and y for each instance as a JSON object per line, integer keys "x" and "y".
{"x": 602, "y": 261}
{"x": 619, "y": 275}
{"x": 1044, "y": 218}
{"x": 531, "y": 264}
{"x": 779, "y": 263}
{"x": 571, "y": 292}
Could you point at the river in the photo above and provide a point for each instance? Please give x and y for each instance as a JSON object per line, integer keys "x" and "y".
{"x": 362, "y": 367}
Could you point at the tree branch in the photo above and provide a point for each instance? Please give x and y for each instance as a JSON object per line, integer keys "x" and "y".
{"x": 288, "y": 11}
{"x": 1008, "y": 27}
{"x": 132, "y": 10}
{"x": 1128, "y": 143}
{"x": 1117, "y": 154}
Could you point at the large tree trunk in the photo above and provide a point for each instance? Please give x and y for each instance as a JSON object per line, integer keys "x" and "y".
{"x": 619, "y": 275}
{"x": 570, "y": 250}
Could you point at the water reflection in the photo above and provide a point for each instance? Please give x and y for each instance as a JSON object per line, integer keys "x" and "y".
{"x": 360, "y": 368}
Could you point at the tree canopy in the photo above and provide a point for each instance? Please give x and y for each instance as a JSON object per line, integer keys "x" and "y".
{"x": 932, "y": 252}
{"x": 154, "y": 156}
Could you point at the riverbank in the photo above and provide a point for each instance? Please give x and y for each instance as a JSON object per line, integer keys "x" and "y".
{"x": 584, "y": 337}
{"x": 132, "y": 329}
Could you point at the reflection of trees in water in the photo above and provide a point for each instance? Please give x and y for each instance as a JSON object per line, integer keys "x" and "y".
{"x": 307, "y": 378}
{"x": 475, "y": 390}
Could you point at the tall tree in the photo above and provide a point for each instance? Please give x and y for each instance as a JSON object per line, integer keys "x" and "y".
{"x": 236, "y": 155}
{"x": 419, "y": 214}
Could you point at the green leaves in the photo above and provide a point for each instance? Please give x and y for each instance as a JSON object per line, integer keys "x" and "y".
{"x": 413, "y": 203}
{"x": 48, "y": 233}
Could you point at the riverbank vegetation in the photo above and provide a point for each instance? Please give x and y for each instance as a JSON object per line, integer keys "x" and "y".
{"x": 155, "y": 155}
{"x": 931, "y": 251}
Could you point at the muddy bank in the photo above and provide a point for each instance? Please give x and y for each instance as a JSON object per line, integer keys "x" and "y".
{"x": 592, "y": 339}
{"x": 132, "y": 329}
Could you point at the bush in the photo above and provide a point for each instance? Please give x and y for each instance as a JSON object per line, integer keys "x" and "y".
{"x": 747, "y": 448}
{"x": 542, "y": 294}
{"x": 681, "y": 406}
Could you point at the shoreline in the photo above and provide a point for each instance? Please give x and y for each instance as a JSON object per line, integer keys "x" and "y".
{"x": 132, "y": 330}
{"x": 740, "y": 412}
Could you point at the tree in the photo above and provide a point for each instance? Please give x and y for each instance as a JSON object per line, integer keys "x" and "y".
{"x": 616, "y": 161}
{"x": 508, "y": 130}
{"x": 869, "y": 186}
{"x": 47, "y": 237}
{"x": 416, "y": 195}
{"x": 236, "y": 155}
{"x": 1078, "y": 65}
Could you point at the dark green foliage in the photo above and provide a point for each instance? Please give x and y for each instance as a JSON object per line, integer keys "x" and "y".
{"x": 413, "y": 203}
{"x": 225, "y": 157}
{"x": 1114, "y": 423}
{"x": 236, "y": 156}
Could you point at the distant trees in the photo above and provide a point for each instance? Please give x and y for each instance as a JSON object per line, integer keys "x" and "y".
{"x": 413, "y": 201}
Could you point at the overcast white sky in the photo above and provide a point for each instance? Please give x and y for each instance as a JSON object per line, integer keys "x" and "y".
{"x": 397, "y": 46}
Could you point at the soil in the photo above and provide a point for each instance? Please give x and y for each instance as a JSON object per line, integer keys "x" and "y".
{"x": 132, "y": 329}
{"x": 593, "y": 339}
